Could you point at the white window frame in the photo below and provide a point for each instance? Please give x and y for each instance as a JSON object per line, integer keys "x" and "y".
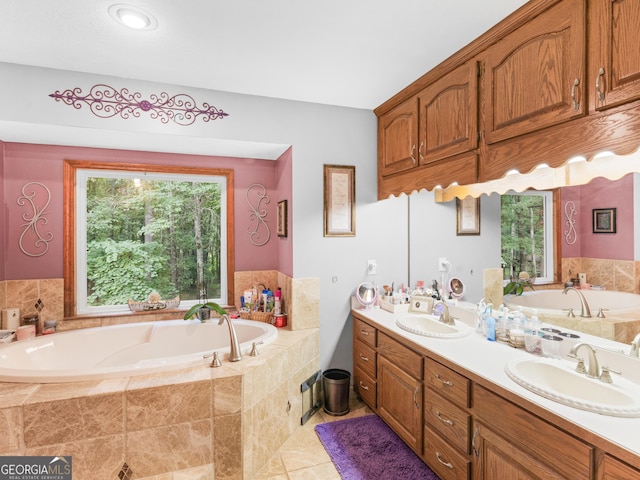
{"x": 81, "y": 232}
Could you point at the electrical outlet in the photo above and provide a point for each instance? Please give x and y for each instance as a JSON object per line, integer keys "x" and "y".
{"x": 372, "y": 267}
{"x": 443, "y": 264}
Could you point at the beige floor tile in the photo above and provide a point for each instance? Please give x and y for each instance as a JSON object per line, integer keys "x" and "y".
{"x": 325, "y": 471}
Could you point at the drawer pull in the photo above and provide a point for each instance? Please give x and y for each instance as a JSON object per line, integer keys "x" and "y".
{"x": 415, "y": 397}
{"x": 442, "y": 419}
{"x": 446, "y": 464}
{"x": 576, "y": 103}
{"x": 444, "y": 382}
{"x": 598, "y": 90}
{"x": 363, "y": 358}
{"x": 473, "y": 442}
{"x": 364, "y": 332}
{"x": 363, "y": 386}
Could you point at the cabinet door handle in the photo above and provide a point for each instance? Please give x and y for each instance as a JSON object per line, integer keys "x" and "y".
{"x": 415, "y": 397}
{"x": 413, "y": 153}
{"x": 598, "y": 91}
{"x": 420, "y": 148}
{"x": 446, "y": 464}
{"x": 576, "y": 104}
{"x": 363, "y": 386}
{"x": 363, "y": 358}
{"x": 473, "y": 442}
{"x": 444, "y": 382}
{"x": 364, "y": 332}
{"x": 442, "y": 419}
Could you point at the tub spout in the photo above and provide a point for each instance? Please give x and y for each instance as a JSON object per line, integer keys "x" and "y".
{"x": 234, "y": 353}
{"x": 585, "y": 311}
{"x": 635, "y": 346}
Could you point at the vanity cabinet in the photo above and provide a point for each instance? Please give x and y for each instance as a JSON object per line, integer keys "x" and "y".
{"x": 398, "y": 139}
{"x": 365, "y": 362}
{"x": 535, "y": 76}
{"x": 611, "y": 468}
{"x": 615, "y": 56}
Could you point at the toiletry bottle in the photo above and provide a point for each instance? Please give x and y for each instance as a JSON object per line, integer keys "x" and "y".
{"x": 491, "y": 328}
{"x": 277, "y": 305}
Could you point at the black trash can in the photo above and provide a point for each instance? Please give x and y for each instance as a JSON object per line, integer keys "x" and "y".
{"x": 336, "y": 384}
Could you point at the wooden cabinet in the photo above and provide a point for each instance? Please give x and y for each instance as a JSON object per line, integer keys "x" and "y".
{"x": 365, "y": 362}
{"x": 611, "y": 468}
{"x": 614, "y": 54}
{"x": 448, "y": 116}
{"x": 398, "y": 139}
{"x": 535, "y": 76}
{"x": 509, "y": 442}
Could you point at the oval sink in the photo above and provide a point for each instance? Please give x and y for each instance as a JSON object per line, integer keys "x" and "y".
{"x": 431, "y": 326}
{"x": 557, "y": 380}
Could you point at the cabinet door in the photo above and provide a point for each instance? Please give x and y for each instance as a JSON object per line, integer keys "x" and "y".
{"x": 398, "y": 138}
{"x": 400, "y": 402}
{"x": 613, "y": 469}
{"x": 534, "y": 77}
{"x": 615, "y": 65}
{"x": 449, "y": 115}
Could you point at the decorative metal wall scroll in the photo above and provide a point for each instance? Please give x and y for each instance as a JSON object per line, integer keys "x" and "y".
{"x": 32, "y": 242}
{"x": 570, "y": 235}
{"x": 105, "y": 101}
{"x": 259, "y": 233}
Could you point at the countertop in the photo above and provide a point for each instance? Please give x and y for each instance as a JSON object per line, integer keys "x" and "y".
{"x": 486, "y": 360}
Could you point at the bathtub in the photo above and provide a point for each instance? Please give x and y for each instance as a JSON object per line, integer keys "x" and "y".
{"x": 554, "y": 302}
{"x": 124, "y": 350}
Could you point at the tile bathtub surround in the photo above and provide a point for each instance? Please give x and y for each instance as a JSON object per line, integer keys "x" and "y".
{"x": 225, "y": 422}
{"x": 619, "y": 275}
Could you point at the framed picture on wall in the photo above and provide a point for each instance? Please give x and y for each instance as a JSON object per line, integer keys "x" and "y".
{"x": 339, "y": 201}
{"x": 468, "y": 216}
{"x": 604, "y": 220}
{"x": 281, "y": 224}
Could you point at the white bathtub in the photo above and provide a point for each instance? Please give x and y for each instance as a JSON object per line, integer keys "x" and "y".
{"x": 124, "y": 350}
{"x": 552, "y": 302}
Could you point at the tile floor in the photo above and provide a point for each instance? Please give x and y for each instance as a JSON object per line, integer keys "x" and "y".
{"x": 303, "y": 457}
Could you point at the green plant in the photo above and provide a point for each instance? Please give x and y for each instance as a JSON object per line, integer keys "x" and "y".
{"x": 516, "y": 286}
{"x": 204, "y": 306}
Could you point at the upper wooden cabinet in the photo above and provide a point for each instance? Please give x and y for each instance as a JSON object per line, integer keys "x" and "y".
{"x": 398, "y": 138}
{"x": 535, "y": 76}
{"x": 615, "y": 56}
{"x": 448, "y": 117}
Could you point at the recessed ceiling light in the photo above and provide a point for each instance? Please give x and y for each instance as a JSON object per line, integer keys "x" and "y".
{"x": 132, "y": 17}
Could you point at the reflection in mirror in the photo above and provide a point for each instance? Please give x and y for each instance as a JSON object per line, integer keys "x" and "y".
{"x": 366, "y": 294}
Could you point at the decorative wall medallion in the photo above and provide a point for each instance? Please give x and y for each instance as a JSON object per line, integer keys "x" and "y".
{"x": 37, "y": 197}
{"x": 259, "y": 233}
{"x": 105, "y": 101}
{"x": 570, "y": 235}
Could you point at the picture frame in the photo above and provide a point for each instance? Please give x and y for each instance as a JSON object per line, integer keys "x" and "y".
{"x": 604, "y": 220}
{"x": 339, "y": 201}
{"x": 468, "y": 216}
{"x": 281, "y": 218}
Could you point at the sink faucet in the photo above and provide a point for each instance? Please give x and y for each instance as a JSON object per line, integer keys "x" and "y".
{"x": 585, "y": 311}
{"x": 234, "y": 354}
{"x": 593, "y": 370}
{"x": 635, "y": 346}
{"x": 443, "y": 308}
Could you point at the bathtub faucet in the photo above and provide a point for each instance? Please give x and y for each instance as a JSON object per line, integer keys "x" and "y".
{"x": 635, "y": 346}
{"x": 585, "y": 311}
{"x": 234, "y": 353}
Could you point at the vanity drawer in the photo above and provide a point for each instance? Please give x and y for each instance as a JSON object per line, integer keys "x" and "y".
{"x": 366, "y": 387}
{"x": 446, "y": 382}
{"x": 444, "y": 460}
{"x": 365, "y": 332}
{"x": 452, "y": 422}
{"x": 408, "y": 360}
{"x": 364, "y": 357}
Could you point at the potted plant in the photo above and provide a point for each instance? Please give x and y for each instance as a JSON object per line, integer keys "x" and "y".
{"x": 203, "y": 311}
{"x": 516, "y": 285}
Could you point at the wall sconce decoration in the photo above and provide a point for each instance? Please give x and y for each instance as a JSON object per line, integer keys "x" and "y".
{"x": 32, "y": 242}
{"x": 105, "y": 101}
{"x": 604, "y": 220}
{"x": 570, "y": 235}
{"x": 257, "y": 215}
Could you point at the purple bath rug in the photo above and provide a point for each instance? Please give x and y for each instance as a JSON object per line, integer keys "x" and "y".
{"x": 365, "y": 448}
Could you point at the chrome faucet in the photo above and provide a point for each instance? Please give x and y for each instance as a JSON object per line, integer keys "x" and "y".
{"x": 593, "y": 370}
{"x": 234, "y": 353}
{"x": 585, "y": 311}
{"x": 444, "y": 313}
{"x": 635, "y": 347}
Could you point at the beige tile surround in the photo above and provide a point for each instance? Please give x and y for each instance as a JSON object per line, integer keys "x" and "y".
{"x": 199, "y": 423}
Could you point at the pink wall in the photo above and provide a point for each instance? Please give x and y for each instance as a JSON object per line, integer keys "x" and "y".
{"x": 601, "y": 193}
{"x": 284, "y": 186}
{"x": 25, "y": 163}
{"x": 3, "y": 231}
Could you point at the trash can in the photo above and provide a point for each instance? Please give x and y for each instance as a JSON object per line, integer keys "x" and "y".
{"x": 336, "y": 384}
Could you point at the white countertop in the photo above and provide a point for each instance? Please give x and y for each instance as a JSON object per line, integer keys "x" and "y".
{"x": 487, "y": 359}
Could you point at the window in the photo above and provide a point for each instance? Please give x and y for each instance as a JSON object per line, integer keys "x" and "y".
{"x": 142, "y": 228}
{"x": 527, "y": 235}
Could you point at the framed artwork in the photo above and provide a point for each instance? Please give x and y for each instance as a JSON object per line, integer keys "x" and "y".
{"x": 468, "y": 216}
{"x": 281, "y": 223}
{"x": 339, "y": 201}
{"x": 604, "y": 220}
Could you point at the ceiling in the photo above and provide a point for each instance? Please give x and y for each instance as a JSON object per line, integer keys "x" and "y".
{"x": 352, "y": 53}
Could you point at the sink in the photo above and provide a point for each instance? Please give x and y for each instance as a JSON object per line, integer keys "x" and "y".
{"x": 431, "y": 326}
{"x": 557, "y": 380}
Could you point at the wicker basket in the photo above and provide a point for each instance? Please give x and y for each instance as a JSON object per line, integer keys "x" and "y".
{"x": 265, "y": 317}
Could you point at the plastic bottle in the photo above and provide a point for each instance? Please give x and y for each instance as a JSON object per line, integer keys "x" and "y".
{"x": 491, "y": 328}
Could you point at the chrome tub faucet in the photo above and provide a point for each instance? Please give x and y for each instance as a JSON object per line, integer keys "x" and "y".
{"x": 234, "y": 354}
{"x": 585, "y": 311}
{"x": 635, "y": 346}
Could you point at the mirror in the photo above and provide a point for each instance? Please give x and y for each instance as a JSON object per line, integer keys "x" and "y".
{"x": 456, "y": 287}
{"x": 366, "y": 293}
